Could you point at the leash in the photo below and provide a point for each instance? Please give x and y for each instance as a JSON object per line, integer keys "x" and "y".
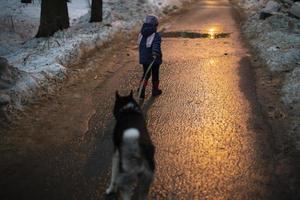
{"x": 144, "y": 79}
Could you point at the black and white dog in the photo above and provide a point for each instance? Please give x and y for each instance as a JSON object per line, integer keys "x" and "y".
{"x": 133, "y": 160}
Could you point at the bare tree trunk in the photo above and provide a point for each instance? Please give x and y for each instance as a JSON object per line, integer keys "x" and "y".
{"x": 54, "y": 17}
{"x": 26, "y": 1}
{"x": 96, "y": 11}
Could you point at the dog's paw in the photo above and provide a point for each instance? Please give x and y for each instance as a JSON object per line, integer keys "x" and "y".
{"x": 110, "y": 190}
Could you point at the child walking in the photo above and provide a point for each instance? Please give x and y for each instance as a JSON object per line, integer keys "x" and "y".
{"x": 150, "y": 51}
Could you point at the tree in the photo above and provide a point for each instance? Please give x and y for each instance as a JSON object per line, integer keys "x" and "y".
{"x": 96, "y": 11}
{"x": 54, "y": 17}
{"x": 26, "y": 1}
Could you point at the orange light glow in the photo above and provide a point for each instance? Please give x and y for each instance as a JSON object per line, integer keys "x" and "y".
{"x": 212, "y": 33}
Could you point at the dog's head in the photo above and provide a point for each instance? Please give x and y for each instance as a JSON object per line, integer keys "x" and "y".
{"x": 125, "y": 103}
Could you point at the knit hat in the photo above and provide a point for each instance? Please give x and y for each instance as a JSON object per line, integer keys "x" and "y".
{"x": 151, "y": 19}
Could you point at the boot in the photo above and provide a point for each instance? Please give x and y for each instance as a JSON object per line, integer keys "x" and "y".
{"x": 155, "y": 89}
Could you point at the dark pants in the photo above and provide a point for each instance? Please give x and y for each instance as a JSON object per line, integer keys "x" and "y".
{"x": 155, "y": 74}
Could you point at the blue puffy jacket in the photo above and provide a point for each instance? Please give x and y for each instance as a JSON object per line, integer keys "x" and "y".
{"x": 146, "y": 54}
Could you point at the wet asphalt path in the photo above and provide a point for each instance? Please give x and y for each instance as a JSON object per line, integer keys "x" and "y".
{"x": 211, "y": 139}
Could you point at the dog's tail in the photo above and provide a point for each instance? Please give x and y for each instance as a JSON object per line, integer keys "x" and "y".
{"x": 131, "y": 137}
{"x": 131, "y": 134}
{"x": 131, "y": 149}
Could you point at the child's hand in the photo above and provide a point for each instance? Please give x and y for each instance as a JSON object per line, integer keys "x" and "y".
{"x": 154, "y": 55}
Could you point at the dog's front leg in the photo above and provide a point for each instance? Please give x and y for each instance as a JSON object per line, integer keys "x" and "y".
{"x": 114, "y": 173}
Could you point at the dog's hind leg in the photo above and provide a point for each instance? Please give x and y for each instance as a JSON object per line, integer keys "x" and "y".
{"x": 114, "y": 173}
{"x": 144, "y": 182}
{"x": 126, "y": 185}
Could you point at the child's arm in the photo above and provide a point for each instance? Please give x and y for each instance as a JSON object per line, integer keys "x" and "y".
{"x": 156, "y": 47}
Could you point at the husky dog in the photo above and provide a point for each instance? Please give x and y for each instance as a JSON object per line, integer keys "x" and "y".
{"x": 133, "y": 160}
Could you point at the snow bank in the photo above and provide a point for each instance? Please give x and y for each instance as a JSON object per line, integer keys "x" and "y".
{"x": 42, "y": 60}
{"x": 277, "y": 41}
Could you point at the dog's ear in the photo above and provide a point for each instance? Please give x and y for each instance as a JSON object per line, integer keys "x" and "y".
{"x": 117, "y": 94}
{"x": 131, "y": 94}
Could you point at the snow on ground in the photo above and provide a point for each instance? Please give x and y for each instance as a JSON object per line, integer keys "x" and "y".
{"x": 277, "y": 41}
{"x": 42, "y": 60}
